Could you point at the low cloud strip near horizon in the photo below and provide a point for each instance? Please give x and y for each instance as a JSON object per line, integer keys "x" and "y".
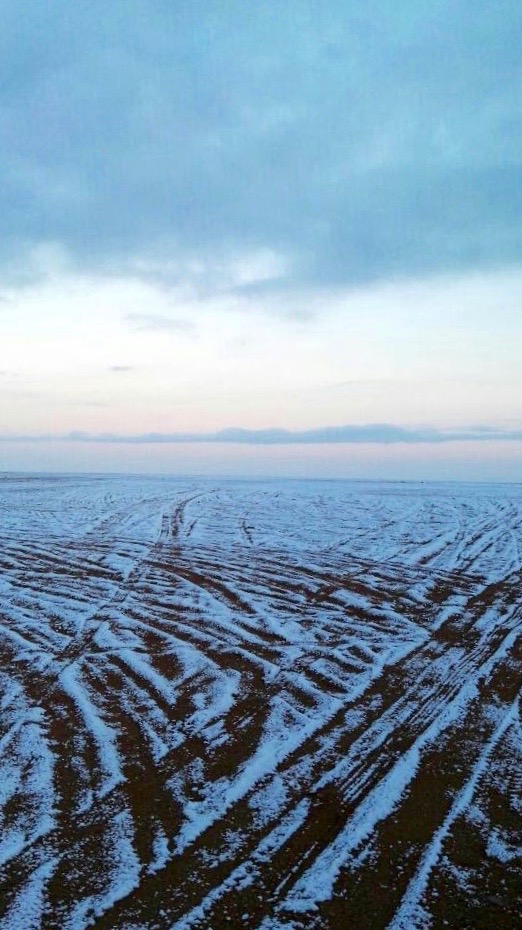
{"x": 380, "y": 433}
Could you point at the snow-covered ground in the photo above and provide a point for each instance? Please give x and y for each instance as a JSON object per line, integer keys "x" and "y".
{"x": 259, "y": 704}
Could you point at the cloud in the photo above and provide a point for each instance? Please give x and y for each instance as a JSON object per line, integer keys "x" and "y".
{"x": 365, "y": 142}
{"x": 157, "y": 322}
{"x": 222, "y": 270}
{"x": 378, "y": 433}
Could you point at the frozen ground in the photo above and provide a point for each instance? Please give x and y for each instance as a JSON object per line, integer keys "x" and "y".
{"x": 259, "y": 705}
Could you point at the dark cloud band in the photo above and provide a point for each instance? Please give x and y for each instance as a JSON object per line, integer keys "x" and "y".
{"x": 380, "y": 433}
{"x": 363, "y": 144}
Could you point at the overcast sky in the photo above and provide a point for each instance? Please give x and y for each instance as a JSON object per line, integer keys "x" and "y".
{"x": 297, "y": 221}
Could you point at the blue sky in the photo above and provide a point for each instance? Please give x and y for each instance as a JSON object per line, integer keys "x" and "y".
{"x": 266, "y": 217}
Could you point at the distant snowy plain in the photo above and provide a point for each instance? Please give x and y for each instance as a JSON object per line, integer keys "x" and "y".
{"x": 272, "y": 705}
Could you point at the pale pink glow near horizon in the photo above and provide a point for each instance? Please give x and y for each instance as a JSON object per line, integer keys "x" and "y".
{"x": 464, "y": 461}
{"x": 120, "y": 356}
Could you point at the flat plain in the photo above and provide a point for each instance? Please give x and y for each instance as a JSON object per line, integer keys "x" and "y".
{"x": 278, "y": 705}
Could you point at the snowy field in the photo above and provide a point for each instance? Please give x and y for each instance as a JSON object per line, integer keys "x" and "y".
{"x": 259, "y": 705}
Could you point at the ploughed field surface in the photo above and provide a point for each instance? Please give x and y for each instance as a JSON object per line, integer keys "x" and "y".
{"x": 272, "y": 705}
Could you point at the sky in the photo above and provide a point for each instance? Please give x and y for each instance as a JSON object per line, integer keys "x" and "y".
{"x": 278, "y": 238}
